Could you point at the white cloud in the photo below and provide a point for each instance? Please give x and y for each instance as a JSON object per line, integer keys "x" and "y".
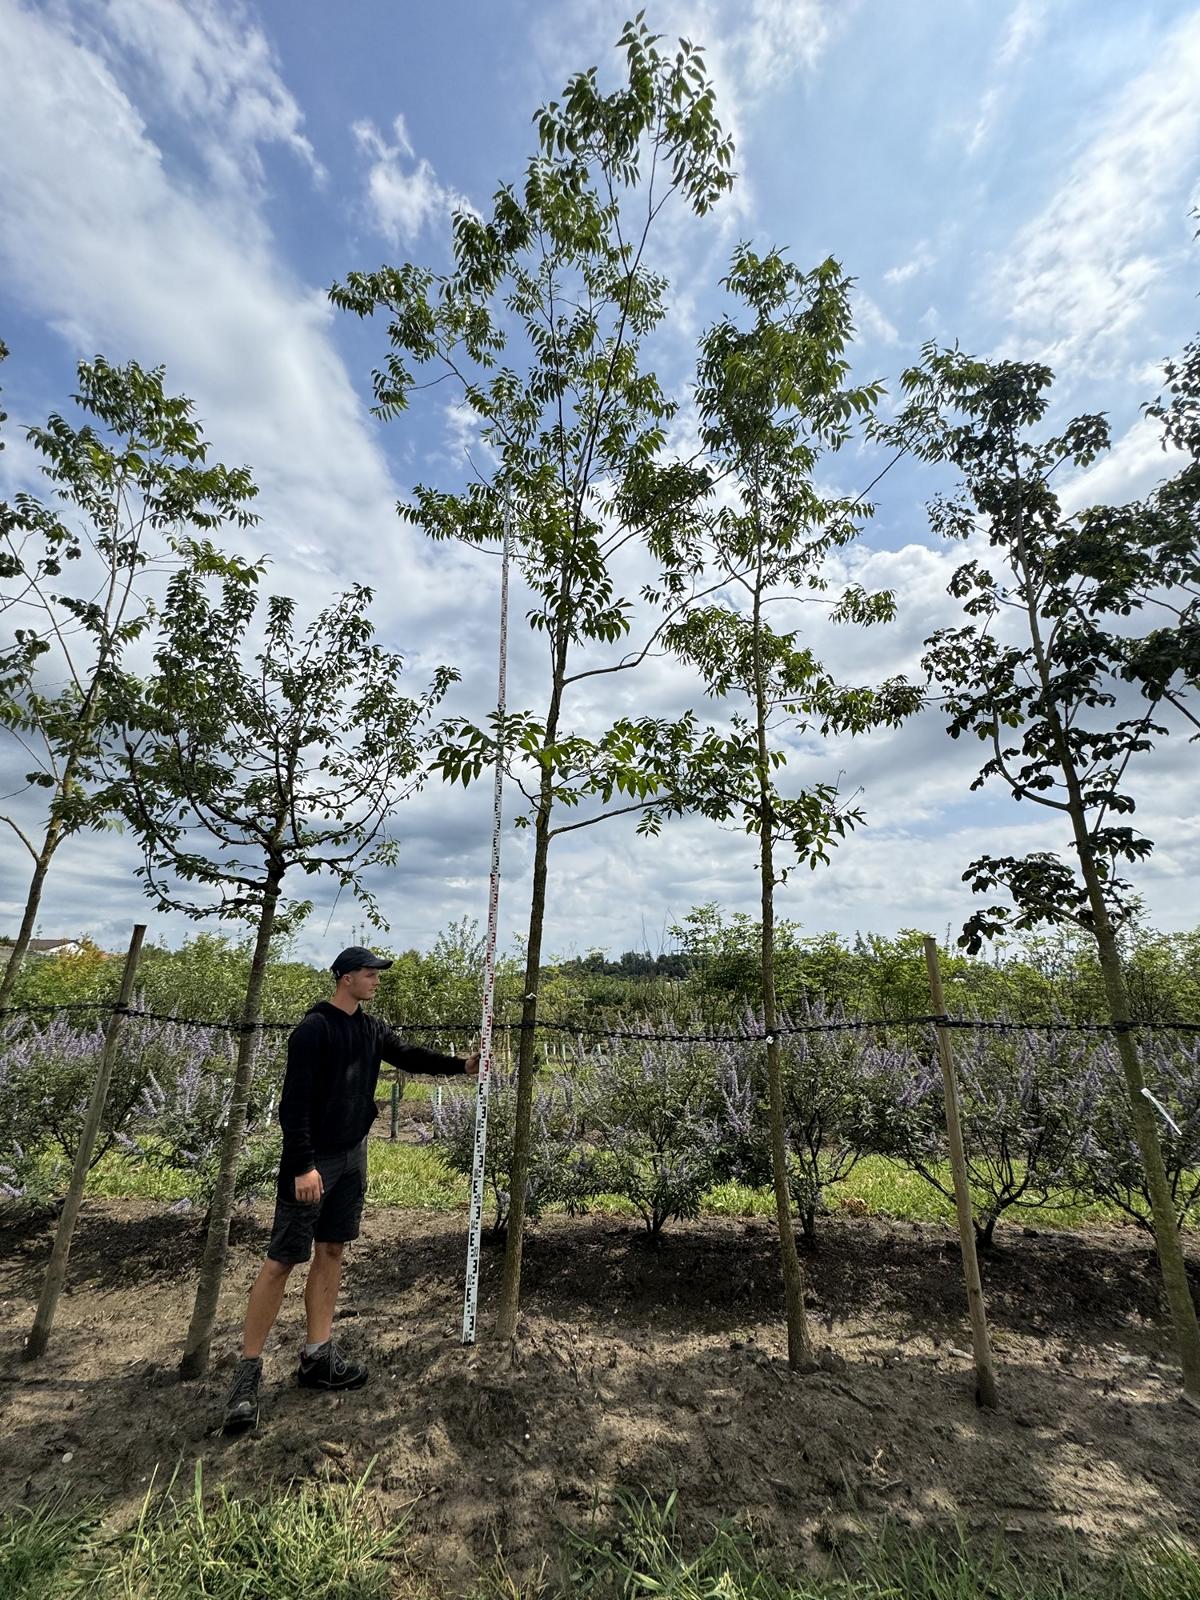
{"x": 920, "y": 261}
{"x": 749, "y": 48}
{"x": 103, "y": 236}
{"x": 1076, "y": 277}
{"x": 1136, "y": 462}
{"x": 404, "y": 197}
{"x": 776, "y": 38}
{"x": 213, "y": 66}
{"x": 1025, "y": 23}
{"x": 872, "y": 322}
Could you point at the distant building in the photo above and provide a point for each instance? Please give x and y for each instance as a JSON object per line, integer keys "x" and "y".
{"x": 47, "y": 947}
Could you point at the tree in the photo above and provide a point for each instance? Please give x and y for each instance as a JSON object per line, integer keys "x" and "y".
{"x": 235, "y": 773}
{"x": 75, "y": 570}
{"x": 773, "y": 395}
{"x": 540, "y": 328}
{"x": 1052, "y": 673}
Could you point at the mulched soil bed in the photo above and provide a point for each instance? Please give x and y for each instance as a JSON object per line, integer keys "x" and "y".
{"x": 635, "y": 1368}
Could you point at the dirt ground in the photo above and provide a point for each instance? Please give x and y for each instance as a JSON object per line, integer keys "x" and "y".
{"x": 634, "y": 1368}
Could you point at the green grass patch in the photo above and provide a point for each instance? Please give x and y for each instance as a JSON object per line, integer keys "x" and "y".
{"x": 644, "y": 1556}
{"x": 880, "y": 1187}
{"x": 325, "y": 1541}
{"x": 415, "y": 1176}
{"x": 321, "y": 1542}
{"x": 117, "y": 1176}
{"x": 40, "y": 1550}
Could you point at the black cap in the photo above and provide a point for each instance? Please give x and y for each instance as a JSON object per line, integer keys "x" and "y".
{"x": 355, "y": 957}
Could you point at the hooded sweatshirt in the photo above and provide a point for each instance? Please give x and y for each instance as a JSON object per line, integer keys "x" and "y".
{"x": 328, "y": 1100}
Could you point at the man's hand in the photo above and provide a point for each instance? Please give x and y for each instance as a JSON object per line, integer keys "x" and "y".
{"x": 472, "y": 1066}
{"x": 309, "y": 1188}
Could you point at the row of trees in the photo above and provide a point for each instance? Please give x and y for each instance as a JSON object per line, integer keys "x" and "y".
{"x": 1079, "y": 633}
{"x": 710, "y": 982}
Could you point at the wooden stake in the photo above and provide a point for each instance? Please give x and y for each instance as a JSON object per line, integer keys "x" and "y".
{"x": 56, "y": 1272}
{"x": 395, "y": 1105}
{"x": 985, "y": 1376}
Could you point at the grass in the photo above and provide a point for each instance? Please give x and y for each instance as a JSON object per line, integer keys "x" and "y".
{"x": 329, "y": 1542}
{"x": 38, "y": 1550}
{"x": 644, "y": 1556}
{"x": 416, "y": 1177}
{"x": 321, "y": 1542}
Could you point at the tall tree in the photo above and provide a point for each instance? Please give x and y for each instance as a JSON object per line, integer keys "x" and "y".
{"x": 1052, "y": 672}
{"x": 540, "y": 327}
{"x": 773, "y": 396}
{"x": 237, "y": 771}
{"x": 77, "y": 572}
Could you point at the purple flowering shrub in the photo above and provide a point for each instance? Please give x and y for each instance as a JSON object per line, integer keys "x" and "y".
{"x": 653, "y": 1109}
{"x": 554, "y": 1133}
{"x": 180, "y": 1116}
{"x": 1021, "y": 1131}
{"x": 1108, "y": 1163}
{"x": 838, "y": 1105}
{"x": 47, "y": 1072}
{"x": 19, "y": 1134}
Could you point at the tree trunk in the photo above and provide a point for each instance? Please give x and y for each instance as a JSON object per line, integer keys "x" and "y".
{"x": 1167, "y": 1237}
{"x": 518, "y": 1178}
{"x": 33, "y": 901}
{"x": 800, "y": 1350}
{"x": 194, "y": 1363}
{"x": 985, "y": 1235}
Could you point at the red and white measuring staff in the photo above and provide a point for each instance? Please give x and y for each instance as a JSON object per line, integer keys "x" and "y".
{"x": 475, "y": 1226}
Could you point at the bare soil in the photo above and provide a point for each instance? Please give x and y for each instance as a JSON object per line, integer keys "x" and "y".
{"x": 635, "y": 1368}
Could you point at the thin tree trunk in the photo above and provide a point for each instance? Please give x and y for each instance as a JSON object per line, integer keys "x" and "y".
{"x": 33, "y": 901}
{"x": 510, "y": 1282}
{"x": 800, "y": 1349}
{"x": 56, "y": 1271}
{"x": 194, "y": 1363}
{"x": 1167, "y": 1237}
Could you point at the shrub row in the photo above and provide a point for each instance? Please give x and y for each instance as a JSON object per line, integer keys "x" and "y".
{"x": 657, "y": 1121}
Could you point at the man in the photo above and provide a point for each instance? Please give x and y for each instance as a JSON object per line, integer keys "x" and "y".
{"x": 326, "y": 1111}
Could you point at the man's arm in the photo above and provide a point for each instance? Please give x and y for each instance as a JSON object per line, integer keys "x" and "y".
{"x": 414, "y": 1058}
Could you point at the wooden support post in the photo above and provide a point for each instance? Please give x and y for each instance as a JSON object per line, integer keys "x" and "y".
{"x": 985, "y": 1376}
{"x": 56, "y": 1272}
{"x": 395, "y": 1105}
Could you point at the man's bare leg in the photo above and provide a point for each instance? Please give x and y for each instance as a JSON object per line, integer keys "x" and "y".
{"x": 266, "y": 1297}
{"x": 321, "y": 1290}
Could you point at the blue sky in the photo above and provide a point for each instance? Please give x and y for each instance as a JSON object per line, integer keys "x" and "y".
{"x": 182, "y": 183}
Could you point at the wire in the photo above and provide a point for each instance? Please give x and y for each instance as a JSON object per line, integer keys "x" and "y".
{"x": 648, "y": 1034}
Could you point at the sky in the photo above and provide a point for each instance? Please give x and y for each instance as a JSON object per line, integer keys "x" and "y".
{"x": 182, "y": 183}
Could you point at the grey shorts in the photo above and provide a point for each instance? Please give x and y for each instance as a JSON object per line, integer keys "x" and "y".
{"x": 336, "y": 1216}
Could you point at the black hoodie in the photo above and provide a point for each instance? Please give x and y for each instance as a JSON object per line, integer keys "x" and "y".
{"x": 328, "y": 1100}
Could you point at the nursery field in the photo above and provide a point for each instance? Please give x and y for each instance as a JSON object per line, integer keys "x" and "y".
{"x": 647, "y": 1399}
{"x": 637, "y": 1369}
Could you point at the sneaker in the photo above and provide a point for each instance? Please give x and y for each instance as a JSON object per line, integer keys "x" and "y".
{"x": 241, "y": 1406}
{"x": 329, "y": 1369}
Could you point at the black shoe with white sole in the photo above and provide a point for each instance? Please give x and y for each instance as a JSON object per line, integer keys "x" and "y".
{"x": 241, "y": 1404}
{"x": 329, "y": 1369}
